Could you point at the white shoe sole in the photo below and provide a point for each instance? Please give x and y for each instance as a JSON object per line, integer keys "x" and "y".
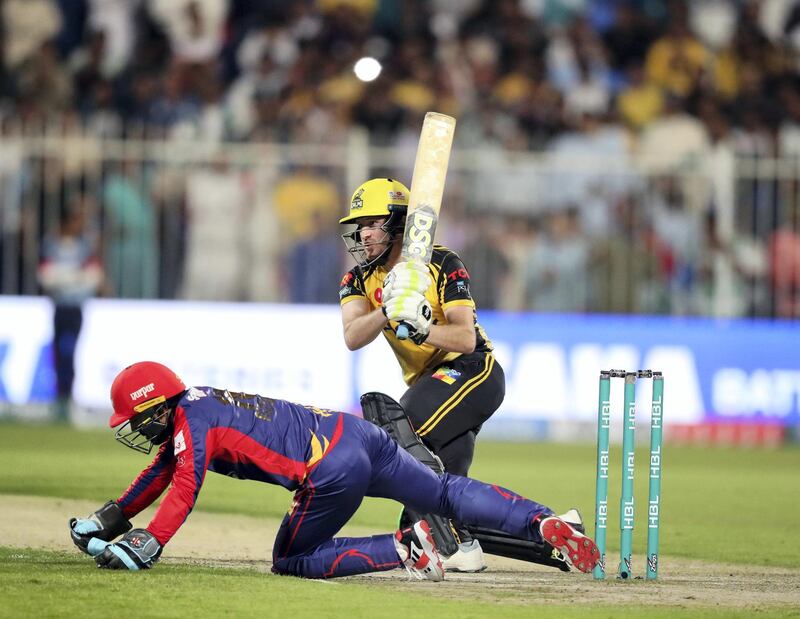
{"x": 425, "y": 562}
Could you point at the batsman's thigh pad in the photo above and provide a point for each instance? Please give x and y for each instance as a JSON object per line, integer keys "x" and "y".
{"x": 386, "y": 413}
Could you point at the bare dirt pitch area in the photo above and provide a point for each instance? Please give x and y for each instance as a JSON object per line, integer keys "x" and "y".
{"x": 246, "y": 542}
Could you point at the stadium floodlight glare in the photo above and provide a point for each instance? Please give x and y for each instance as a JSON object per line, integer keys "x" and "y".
{"x": 367, "y": 69}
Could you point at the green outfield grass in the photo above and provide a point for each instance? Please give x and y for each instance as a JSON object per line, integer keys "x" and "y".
{"x": 45, "y": 584}
{"x": 720, "y": 505}
{"x": 715, "y": 501}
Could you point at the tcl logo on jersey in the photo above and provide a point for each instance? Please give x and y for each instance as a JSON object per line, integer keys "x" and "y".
{"x": 458, "y": 273}
{"x": 378, "y": 294}
{"x": 180, "y": 443}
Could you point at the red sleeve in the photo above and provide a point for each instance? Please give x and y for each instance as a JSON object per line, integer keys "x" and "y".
{"x": 189, "y": 449}
{"x": 150, "y": 483}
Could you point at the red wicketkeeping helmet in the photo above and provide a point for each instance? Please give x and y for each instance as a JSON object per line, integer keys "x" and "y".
{"x": 141, "y": 386}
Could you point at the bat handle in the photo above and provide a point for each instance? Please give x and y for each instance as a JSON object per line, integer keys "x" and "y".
{"x": 402, "y": 331}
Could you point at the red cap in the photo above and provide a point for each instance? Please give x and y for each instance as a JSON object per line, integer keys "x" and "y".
{"x": 140, "y": 386}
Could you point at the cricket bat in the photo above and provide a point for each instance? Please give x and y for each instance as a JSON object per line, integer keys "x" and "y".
{"x": 427, "y": 187}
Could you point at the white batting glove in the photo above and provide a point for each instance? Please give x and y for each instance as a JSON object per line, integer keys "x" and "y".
{"x": 413, "y": 309}
{"x": 406, "y": 276}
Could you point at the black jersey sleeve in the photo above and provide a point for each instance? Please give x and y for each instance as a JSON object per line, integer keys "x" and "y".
{"x": 352, "y": 286}
{"x": 454, "y": 280}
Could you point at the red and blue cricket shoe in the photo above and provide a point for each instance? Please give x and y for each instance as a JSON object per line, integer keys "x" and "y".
{"x": 422, "y": 560}
{"x": 579, "y": 550}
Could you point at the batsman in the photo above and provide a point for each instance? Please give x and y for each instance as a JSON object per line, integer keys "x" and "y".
{"x": 454, "y": 380}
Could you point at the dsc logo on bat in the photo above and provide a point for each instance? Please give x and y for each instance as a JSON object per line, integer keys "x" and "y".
{"x": 419, "y": 231}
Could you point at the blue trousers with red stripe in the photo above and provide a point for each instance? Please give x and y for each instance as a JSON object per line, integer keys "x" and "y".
{"x": 367, "y": 462}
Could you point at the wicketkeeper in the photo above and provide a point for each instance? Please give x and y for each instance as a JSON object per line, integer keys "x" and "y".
{"x": 330, "y": 460}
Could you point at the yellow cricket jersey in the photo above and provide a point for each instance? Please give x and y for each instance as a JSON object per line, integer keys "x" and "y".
{"x": 449, "y": 288}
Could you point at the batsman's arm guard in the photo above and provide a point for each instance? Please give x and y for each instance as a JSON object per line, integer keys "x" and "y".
{"x": 384, "y": 412}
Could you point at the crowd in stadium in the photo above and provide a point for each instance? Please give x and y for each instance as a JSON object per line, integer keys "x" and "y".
{"x": 673, "y": 82}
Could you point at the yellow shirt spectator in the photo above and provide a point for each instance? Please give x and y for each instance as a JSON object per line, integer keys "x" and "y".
{"x": 726, "y": 74}
{"x": 365, "y": 7}
{"x": 513, "y": 89}
{"x": 298, "y": 196}
{"x": 413, "y": 95}
{"x": 344, "y": 88}
{"x": 640, "y": 104}
{"x": 675, "y": 62}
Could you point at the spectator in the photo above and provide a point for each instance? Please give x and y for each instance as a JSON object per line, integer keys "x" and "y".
{"x": 555, "y": 274}
{"x": 679, "y": 231}
{"x": 674, "y": 139}
{"x": 589, "y": 95}
{"x": 273, "y": 42}
{"x": 131, "y": 235}
{"x": 264, "y": 81}
{"x": 175, "y": 107}
{"x": 640, "y": 102}
{"x": 677, "y": 60}
{"x": 115, "y": 19}
{"x": 300, "y": 197}
{"x": 629, "y": 38}
{"x": 789, "y": 131}
{"x": 44, "y": 83}
{"x": 522, "y": 234}
{"x": 378, "y": 112}
{"x": 70, "y": 273}
{"x": 216, "y": 257}
{"x": 489, "y": 264}
{"x": 626, "y": 267}
{"x": 784, "y": 264}
{"x": 732, "y": 274}
{"x": 571, "y": 78}
{"x": 713, "y": 22}
{"x": 314, "y": 265}
{"x": 29, "y": 24}
{"x": 194, "y": 27}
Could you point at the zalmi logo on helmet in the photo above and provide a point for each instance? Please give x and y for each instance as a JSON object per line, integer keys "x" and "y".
{"x": 140, "y": 393}
{"x": 357, "y": 202}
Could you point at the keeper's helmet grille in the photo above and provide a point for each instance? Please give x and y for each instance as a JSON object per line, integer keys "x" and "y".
{"x": 142, "y": 395}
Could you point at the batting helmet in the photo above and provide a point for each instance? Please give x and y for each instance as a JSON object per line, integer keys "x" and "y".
{"x": 141, "y": 395}
{"x": 378, "y": 197}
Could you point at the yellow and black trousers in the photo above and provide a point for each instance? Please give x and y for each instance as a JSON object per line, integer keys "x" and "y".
{"x": 448, "y": 406}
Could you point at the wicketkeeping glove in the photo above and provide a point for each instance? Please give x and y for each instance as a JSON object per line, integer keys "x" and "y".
{"x": 137, "y": 550}
{"x": 105, "y": 524}
{"x": 413, "y": 309}
{"x": 405, "y": 277}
